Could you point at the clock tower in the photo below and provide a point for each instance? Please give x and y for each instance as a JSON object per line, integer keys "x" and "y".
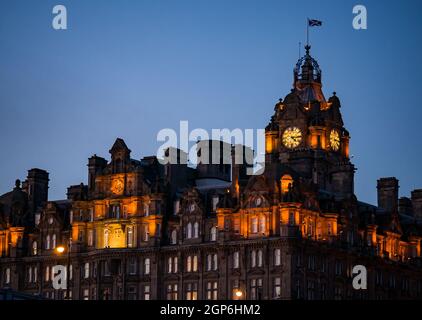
{"x": 307, "y": 133}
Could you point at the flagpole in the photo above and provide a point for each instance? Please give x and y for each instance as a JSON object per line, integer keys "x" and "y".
{"x": 307, "y": 32}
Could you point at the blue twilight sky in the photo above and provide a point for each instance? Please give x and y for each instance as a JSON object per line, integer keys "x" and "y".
{"x": 130, "y": 68}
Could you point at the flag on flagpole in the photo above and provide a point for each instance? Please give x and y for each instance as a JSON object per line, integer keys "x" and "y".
{"x": 314, "y": 23}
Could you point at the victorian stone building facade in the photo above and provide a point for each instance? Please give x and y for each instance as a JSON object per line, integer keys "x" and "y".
{"x": 144, "y": 230}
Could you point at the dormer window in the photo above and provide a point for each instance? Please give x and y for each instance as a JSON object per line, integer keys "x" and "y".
{"x": 192, "y": 208}
{"x": 50, "y": 220}
{"x": 258, "y": 202}
{"x": 214, "y": 203}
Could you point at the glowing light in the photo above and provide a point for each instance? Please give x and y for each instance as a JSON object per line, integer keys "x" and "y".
{"x": 334, "y": 140}
{"x": 60, "y": 249}
{"x": 292, "y": 137}
{"x": 239, "y": 293}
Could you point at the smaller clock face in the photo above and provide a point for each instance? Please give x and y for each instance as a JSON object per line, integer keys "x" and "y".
{"x": 292, "y": 137}
{"x": 117, "y": 186}
{"x": 334, "y": 140}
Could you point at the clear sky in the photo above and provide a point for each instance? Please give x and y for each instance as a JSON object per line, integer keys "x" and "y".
{"x": 130, "y": 68}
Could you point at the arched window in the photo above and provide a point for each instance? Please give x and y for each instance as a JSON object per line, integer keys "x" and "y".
{"x": 196, "y": 230}
{"x": 189, "y": 264}
{"x": 54, "y": 241}
{"x": 34, "y": 248}
{"x": 277, "y": 257}
{"x": 253, "y": 258}
{"x": 209, "y": 262}
{"x": 174, "y": 237}
{"x": 175, "y": 265}
{"x": 195, "y": 263}
{"x": 286, "y": 180}
{"x": 106, "y": 238}
{"x": 7, "y": 276}
{"x": 260, "y": 260}
{"x": 254, "y": 225}
{"x": 213, "y": 234}
{"x": 215, "y": 262}
{"x": 262, "y": 223}
{"x": 47, "y": 242}
{"x": 147, "y": 266}
{"x": 189, "y": 231}
{"x": 86, "y": 270}
{"x": 170, "y": 265}
{"x": 236, "y": 260}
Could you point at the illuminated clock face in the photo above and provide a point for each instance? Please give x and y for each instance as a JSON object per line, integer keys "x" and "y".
{"x": 292, "y": 137}
{"x": 117, "y": 186}
{"x": 334, "y": 140}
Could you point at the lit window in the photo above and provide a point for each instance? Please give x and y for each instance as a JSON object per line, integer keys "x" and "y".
{"x": 34, "y": 248}
{"x": 277, "y": 257}
{"x": 212, "y": 290}
{"x": 30, "y": 274}
{"x": 147, "y": 266}
{"x": 189, "y": 231}
{"x": 277, "y": 288}
{"x": 86, "y": 270}
{"x": 286, "y": 183}
{"x": 192, "y": 291}
{"x": 147, "y": 292}
{"x": 189, "y": 264}
{"x": 260, "y": 259}
{"x": 170, "y": 265}
{"x": 213, "y": 234}
{"x": 146, "y": 209}
{"x": 215, "y": 262}
{"x": 7, "y": 276}
{"x": 262, "y": 225}
{"x": 236, "y": 260}
{"x": 196, "y": 230}
{"x": 253, "y": 259}
{"x": 175, "y": 265}
{"x": 214, "y": 203}
{"x": 91, "y": 214}
{"x": 172, "y": 291}
{"x": 256, "y": 289}
{"x": 47, "y": 242}
{"x": 90, "y": 238}
{"x": 195, "y": 264}
{"x": 54, "y": 241}
{"x": 47, "y": 273}
{"x": 209, "y": 262}
{"x": 254, "y": 225}
{"x": 174, "y": 237}
{"x": 86, "y": 294}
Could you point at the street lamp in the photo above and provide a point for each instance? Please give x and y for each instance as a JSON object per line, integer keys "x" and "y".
{"x": 239, "y": 293}
{"x": 60, "y": 250}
